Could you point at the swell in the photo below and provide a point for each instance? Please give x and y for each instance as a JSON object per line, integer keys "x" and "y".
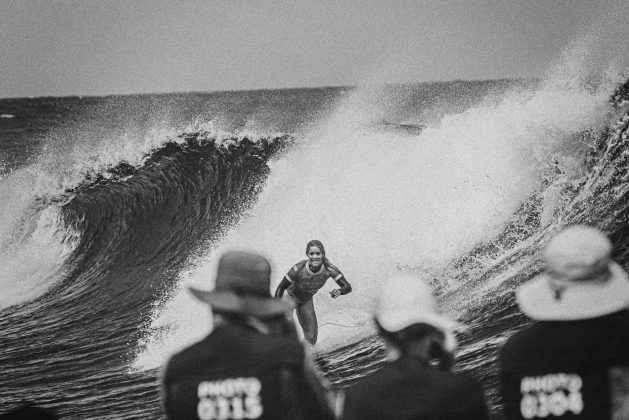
{"x": 139, "y": 226}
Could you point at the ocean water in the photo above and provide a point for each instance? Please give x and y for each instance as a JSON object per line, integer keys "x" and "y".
{"x": 111, "y": 206}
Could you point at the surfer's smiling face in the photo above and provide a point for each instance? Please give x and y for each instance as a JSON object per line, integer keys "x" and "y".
{"x": 315, "y": 256}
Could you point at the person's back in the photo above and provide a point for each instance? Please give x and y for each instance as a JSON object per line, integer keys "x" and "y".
{"x": 27, "y": 411}
{"x": 416, "y": 381}
{"x": 562, "y": 369}
{"x": 407, "y": 389}
{"x": 237, "y": 372}
{"x": 573, "y": 363}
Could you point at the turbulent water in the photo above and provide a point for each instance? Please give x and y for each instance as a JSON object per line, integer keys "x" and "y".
{"x": 111, "y": 206}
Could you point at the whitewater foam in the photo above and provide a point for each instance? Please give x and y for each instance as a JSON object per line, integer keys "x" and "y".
{"x": 36, "y": 259}
{"x": 384, "y": 202}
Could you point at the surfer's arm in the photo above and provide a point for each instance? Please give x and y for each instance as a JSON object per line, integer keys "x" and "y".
{"x": 339, "y": 278}
{"x": 288, "y": 279}
{"x": 344, "y": 285}
{"x": 279, "y": 292}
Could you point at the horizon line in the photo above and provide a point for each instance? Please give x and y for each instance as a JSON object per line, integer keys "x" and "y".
{"x": 205, "y": 92}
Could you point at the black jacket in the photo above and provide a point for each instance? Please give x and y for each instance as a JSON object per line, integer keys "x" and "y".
{"x": 408, "y": 389}
{"x": 564, "y": 369}
{"x": 237, "y": 372}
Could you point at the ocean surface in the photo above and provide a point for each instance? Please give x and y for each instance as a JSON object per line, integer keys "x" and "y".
{"x": 111, "y": 206}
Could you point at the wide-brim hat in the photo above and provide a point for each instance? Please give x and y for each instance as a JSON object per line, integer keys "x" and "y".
{"x": 405, "y": 301}
{"x": 538, "y": 297}
{"x": 242, "y": 288}
{"x": 580, "y": 280}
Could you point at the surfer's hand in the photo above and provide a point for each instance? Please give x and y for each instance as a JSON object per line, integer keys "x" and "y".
{"x": 335, "y": 293}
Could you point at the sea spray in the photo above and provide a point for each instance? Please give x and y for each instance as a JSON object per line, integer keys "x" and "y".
{"x": 384, "y": 202}
{"x": 36, "y": 258}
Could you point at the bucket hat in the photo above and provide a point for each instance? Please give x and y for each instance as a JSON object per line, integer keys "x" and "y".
{"x": 243, "y": 281}
{"x": 404, "y": 301}
{"x": 580, "y": 280}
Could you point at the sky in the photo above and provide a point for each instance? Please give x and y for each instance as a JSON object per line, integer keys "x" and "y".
{"x": 90, "y": 47}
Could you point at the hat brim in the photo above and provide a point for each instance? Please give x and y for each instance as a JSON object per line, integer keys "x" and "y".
{"x": 581, "y": 300}
{"x": 396, "y": 321}
{"x": 225, "y": 301}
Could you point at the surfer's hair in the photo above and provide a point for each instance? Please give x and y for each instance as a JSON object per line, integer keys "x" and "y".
{"x": 318, "y": 244}
{"x": 408, "y": 339}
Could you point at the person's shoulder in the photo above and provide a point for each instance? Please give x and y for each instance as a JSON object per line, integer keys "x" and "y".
{"x": 188, "y": 356}
{"x": 468, "y": 393}
{"x": 282, "y": 341}
{"x": 220, "y": 340}
{"x": 466, "y": 383}
{"x": 518, "y": 346}
{"x": 522, "y": 338}
{"x": 617, "y": 328}
{"x": 362, "y": 402}
{"x": 299, "y": 266}
{"x": 370, "y": 386}
{"x": 261, "y": 346}
{"x": 619, "y": 320}
{"x": 365, "y": 392}
{"x": 455, "y": 391}
{"x": 453, "y": 381}
{"x": 458, "y": 391}
{"x": 332, "y": 268}
{"x": 609, "y": 329}
{"x": 276, "y": 348}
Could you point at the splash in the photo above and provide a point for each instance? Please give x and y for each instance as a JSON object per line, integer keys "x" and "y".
{"x": 384, "y": 202}
{"x": 36, "y": 257}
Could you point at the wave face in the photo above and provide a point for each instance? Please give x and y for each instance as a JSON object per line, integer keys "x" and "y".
{"x": 119, "y": 238}
{"x": 111, "y": 206}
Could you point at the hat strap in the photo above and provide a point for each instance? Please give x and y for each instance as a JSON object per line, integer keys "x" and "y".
{"x": 599, "y": 274}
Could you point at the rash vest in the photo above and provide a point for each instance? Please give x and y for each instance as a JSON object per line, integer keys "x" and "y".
{"x": 305, "y": 283}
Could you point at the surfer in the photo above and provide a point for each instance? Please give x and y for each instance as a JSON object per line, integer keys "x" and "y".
{"x": 251, "y": 365}
{"x": 304, "y": 280}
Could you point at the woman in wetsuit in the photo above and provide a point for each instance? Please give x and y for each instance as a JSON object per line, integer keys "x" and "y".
{"x": 305, "y": 279}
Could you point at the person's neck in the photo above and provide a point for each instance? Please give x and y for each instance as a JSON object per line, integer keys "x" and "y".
{"x": 249, "y": 322}
{"x": 418, "y": 352}
{"x": 314, "y": 269}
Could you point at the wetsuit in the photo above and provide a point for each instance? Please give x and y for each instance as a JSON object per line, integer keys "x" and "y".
{"x": 302, "y": 283}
